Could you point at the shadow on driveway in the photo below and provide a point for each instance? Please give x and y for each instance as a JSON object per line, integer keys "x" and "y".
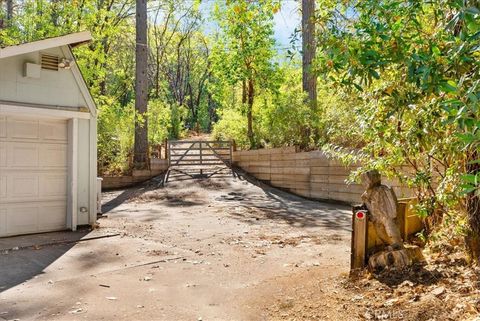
{"x": 268, "y": 203}
{"x": 24, "y": 257}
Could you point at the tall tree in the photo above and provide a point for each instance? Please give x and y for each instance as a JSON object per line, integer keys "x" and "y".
{"x": 140, "y": 158}
{"x": 309, "y": 78}
{"x": 243, "y": 54}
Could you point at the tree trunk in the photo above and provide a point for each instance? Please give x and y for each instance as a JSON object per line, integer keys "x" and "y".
{"x": 140, "y": 158}
{"x": 244, "y": 91}
{"x": 7, "y": 21}
{"x": 9, "y": 11}
{"x": 250, "y": 97}
{"x": 54, "y": 13}
{"x": 473, "y": 210}
{"x": 309, "y": 79}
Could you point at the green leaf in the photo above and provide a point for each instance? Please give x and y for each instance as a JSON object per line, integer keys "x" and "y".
{"x": 467, "y": 138}
{"x": 473, "y": 98}
{"x": 358, "y": 87}
{"x": 472, "y": 10}
{"x": 374, "y": 73}
{"x": 449, "y": 86}
{"x": 477, "y": 161}
{"x": 467, "y": 189}
{"x": 470, "y": 179}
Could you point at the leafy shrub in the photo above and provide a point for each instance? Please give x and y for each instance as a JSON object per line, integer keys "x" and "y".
{"x": 116, "y": 127}
{"x": 232, "y": 125}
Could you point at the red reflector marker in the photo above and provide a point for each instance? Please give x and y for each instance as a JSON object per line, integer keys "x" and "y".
{"x": 360, "y": 215}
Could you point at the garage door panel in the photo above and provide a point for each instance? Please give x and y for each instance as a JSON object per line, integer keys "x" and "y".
{"x": 3, "y": 154}
{"x": 22, "y": 128}
{"x": 22, "y": 219}
{"x": 53, "y": 130}
{"x": 3, "y": 126}
{"x": 22, "y": 155}
{"x": 3, "y": 187}
{"x": 3, "y": 221}
{"x": 53, "y": 186}
{"x": 52, "y": 155}
{"x": 22, "y": 186}
{"x": 52, "y": 217}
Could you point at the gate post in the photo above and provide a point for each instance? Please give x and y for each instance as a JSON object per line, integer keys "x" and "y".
{"x": 201, "y": 160}
{"x": 165, "y": 146}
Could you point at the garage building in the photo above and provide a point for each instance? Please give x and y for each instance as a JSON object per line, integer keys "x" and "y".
{"x": 48, "y": 134}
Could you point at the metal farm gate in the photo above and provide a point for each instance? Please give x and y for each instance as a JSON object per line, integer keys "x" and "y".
{"x": 197, "y": 158}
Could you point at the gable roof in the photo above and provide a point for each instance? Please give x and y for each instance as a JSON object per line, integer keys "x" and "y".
{"x": 66, "y": 42}
{"x": 73, "y": 40}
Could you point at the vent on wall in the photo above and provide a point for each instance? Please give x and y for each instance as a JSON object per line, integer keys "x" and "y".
{"x": 49, "y": 62}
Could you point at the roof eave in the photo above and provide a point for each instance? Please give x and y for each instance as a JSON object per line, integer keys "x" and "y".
{"x": 73, "y": 40}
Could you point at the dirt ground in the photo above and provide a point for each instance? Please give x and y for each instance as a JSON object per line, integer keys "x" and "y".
{"x": 210, "y": 249}
{"x": 221, "y": 249}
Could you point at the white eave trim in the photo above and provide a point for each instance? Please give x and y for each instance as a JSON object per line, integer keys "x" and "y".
{"x": 22, "y": 109}
{"x": 70, "y": 39}
{"x": 77, "y": 74}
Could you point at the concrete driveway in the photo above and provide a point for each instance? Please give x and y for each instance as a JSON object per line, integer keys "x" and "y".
{"x": 195, "y": 249}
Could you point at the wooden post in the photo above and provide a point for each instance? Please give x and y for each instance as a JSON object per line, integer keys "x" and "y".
{"x": 167, "y": 151}
{"x": 165, "y": 144}
{"x": 233, "y": 148}
{"x": 359, "y": 237}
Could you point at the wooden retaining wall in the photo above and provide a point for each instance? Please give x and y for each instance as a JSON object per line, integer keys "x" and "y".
{"x": 157, "y": 167}
{"x": 308, "y": 174}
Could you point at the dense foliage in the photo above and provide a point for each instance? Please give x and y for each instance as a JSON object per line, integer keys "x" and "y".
{"x": 414, "y": 67}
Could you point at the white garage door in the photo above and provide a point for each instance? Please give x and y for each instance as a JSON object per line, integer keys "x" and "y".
{"x": 33, "y": 175}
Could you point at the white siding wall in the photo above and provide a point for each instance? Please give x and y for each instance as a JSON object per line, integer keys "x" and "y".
{"x": 57, "y": 88}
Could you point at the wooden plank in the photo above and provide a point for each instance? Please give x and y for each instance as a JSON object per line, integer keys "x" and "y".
{"x": 302, "y": 192}
{"x": 277, "y": 170}
{"x": 302, "y": 163}
{"x": 337, "y": 179}
{"x": 319, "y": 178}
{"x": 260, "y": 163}
{"x": 198, "y": 164}
{"x": 290, "y": 163}
{"x": 259, "y": 169}
{"x": 319, "y": 170}
{"x": 198, "y": 148}
{"x": 199, "y": 141}
{"x": 277, "y": 157}
{"x": 319, "y": 187}
{"x": 265, "y": 152}
{"x": 344, "y": 188}
{"x": 302, "y": 155}
{"x": 263, "y": 176}
{"x": 292, "y": 177}
{"x": 319, "y": 194}
{"x": 262, "y": 157}
{"x": 302, "y": 185}
{"x": 340, "y": 170}
{"x": 318, "y": 162}
{"x": 345, "y": 197}
{"x": 296, "y": 170}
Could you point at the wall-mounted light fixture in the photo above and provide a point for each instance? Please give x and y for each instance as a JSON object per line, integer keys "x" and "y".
{"x": 65, "y": 63}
